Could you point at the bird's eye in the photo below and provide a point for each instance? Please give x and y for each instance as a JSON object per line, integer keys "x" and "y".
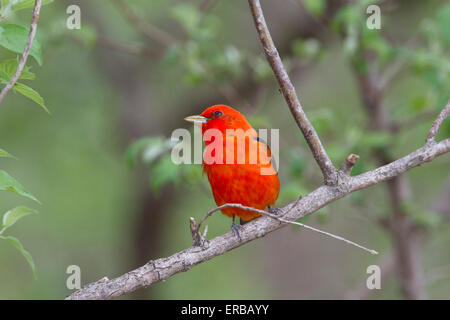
{"x": 217, "y": 113}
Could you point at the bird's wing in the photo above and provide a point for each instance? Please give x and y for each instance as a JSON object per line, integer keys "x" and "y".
{"x": 272, "y": 159}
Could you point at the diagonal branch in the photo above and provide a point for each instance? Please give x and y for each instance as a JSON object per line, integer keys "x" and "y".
{"x": 26, "y": 51}
{"x": 288, "y": 90}
{"x": 163, "y": 268}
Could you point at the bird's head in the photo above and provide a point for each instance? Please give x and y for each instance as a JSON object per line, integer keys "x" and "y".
{"x": 220, "y": 117}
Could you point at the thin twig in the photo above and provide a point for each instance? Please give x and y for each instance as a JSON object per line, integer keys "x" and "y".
{"x": 390, "y": 72}
{"x": 413, "y": 121}
{"x": 151, "y": 31}
{"x": 206, "y": 6}
{"x": 26, "y": 51}
{"x": 348, "y": 164}
{"x": 395, "y": 67}
{"x": 145, "y": 52}
{"x": 438, "y": 122}
{"x": 288, "y": 90}
{"x": 278, "y": 218}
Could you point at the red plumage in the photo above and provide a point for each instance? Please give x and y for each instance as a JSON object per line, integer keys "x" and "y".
{"x": 250, "y": 179}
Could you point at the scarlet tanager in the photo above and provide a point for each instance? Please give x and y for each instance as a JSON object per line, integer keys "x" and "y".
{"x": 247, "y": 176}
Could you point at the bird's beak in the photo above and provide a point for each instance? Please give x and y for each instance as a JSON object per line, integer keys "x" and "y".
{"x": 196, "y": 119}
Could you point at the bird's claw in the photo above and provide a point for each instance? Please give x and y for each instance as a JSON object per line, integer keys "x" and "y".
{"x": 235, "y": 229}
{"x": 275, "y": 211}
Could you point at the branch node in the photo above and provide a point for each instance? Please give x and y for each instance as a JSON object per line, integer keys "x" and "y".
{"x": 348, "y": 164}
{"x": 198, "y": 240}
{"x": 287, "y": 88}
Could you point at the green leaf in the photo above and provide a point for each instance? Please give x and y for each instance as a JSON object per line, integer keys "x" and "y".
{"x": 24, "y": 4}
{"x": 261, "y": 68}
{"x": 421, "y": 217}
{"x": 4, "y": 154}
{"x": 13, "y": 215}
{"x": 188, "y": 16}
{"x": 172, "y": 55}
{"x": 163, "y": 172}
{"x": 306, "y": 48}
{"x": 322, "y": 120}
{"x": 192, "y": 174}
{"x": 296, "y": 164}
{"x": 16, "y": 243}
{"x": 150, "y": 147}
{"x": 420, "y": 102}
{"x": 372, "y": 40}
{"x": 8, "y": 69}
{"x": 14, "y": 37}
{"x": 86, "y": 35}
{"x": 8, "y": 183}
{"x": 31, "y": 94}
{"x": 314, "y": 7}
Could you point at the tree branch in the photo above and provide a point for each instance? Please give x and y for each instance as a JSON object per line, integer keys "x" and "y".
{"x": 438, "y": 122}
{"x": 26, "y": 51}
{"x": 163, "y": 268}
{"x": 288, "y": 90}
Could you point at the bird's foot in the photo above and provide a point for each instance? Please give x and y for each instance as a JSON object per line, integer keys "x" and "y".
{"x": 275, "y": 211}
{"x": 236, "y": 228}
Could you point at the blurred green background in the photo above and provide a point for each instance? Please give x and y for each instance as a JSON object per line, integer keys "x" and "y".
{"x": 108, "y": 84}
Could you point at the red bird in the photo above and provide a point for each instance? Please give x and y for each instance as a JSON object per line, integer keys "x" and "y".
{"x": 246, "y": 176}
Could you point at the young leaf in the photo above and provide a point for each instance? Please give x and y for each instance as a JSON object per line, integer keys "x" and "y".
{"x": 150, "y": 147}
{"x": 3, "y": 77}
{"x": 14, "y": 37}
{"x": 13, "y": 215}
{"x": 25, "y": 4}
{"x": 188, "y": 16}
{"x": 5, "y": 154}
{"x": 8, "y": 69}
{"x": 8, "y": 183}
{"x": 164, "y": 172}
{"x": 31, "y": 94}
{"x": 16, "y": 243}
